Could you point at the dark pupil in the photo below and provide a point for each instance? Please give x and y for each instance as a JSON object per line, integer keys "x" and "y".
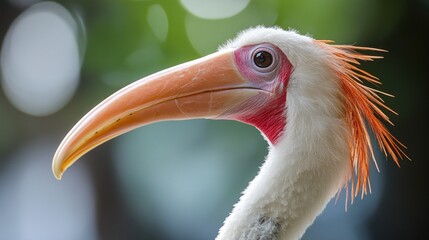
{"x": 263, "y": 59}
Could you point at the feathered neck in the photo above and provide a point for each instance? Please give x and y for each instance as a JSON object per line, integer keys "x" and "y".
{"x": 300, "y": 175}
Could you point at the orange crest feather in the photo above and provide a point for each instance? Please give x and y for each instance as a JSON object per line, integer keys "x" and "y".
{"x": 363, "y": 108}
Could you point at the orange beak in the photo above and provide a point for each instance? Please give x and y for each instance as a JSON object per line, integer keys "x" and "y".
{"x": 204, "y": 88}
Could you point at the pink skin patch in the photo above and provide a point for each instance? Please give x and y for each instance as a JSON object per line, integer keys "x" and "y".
{"x": 265, "y": 111}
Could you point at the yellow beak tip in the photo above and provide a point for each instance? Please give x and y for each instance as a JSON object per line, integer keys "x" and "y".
{"x": 57, "y": 172}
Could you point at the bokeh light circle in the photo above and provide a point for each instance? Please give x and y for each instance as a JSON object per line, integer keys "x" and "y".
{"x": 40, "y": 59}
{"x": 209, "y": 9}
{"x": 206, "y": 35}
{"x": 158, "y": 21}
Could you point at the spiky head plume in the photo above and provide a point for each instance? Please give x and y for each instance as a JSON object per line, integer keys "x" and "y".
{"x": 364, "y": 112}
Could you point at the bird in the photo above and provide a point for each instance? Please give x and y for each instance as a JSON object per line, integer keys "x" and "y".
{"x": 310, "y": 100}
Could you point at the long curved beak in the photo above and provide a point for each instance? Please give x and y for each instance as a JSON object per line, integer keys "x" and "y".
{"x": 204, "y": 88}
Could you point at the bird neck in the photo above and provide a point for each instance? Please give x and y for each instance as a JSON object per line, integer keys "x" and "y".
{"x": 298, "y": 178}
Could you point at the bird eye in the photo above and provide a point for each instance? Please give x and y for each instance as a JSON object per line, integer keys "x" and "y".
{"x": 263, "y": 59}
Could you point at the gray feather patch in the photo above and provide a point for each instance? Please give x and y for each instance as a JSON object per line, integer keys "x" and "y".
{"x": 263, "y": 228}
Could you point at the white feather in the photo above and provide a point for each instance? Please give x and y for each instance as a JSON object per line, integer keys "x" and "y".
{"x": 309, "y": 164}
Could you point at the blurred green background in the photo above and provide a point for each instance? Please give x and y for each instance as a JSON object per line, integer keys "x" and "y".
{"x": 179, "y": 180}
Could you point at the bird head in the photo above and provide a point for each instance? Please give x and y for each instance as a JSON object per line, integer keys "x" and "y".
{"x": 265, "y": 77}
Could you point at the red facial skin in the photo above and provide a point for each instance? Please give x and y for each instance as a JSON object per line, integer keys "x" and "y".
{"x": 266, "y": 111}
